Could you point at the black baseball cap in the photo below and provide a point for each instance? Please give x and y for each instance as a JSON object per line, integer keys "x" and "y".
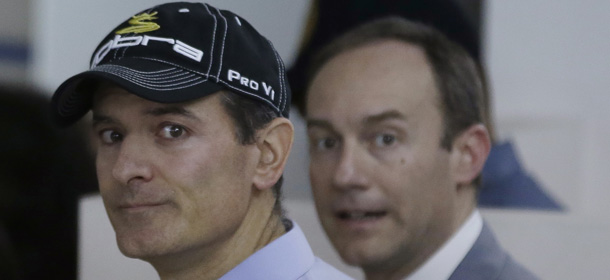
{"x": 178, "y": 52}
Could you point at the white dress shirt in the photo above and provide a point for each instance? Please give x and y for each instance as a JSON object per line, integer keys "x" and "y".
{"x": 444, "y": 261}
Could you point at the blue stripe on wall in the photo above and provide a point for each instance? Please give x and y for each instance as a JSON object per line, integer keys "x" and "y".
{"x": 14, "y": 52}
{"x": 506, "y": 184}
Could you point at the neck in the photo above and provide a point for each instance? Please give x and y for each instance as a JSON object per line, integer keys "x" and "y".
{"x": 462, "y": 207}
{"x": 259, "y": 228}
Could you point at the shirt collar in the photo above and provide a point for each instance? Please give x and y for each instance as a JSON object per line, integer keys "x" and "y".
{"x": 441, "y": 265}
{"x": 287, "y": 257}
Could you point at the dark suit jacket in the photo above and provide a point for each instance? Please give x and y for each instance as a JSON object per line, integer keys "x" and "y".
{"x": 486, "y": 260}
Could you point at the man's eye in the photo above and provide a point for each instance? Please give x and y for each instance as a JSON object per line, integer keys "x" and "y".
{"x": 326, "y": 143}
{"x": 172, "y": 131}
{"x": 110, "y": 136}
{"x": 383, "y": 140}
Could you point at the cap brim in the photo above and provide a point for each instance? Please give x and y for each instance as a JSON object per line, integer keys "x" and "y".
{"x": 151, "y": 80}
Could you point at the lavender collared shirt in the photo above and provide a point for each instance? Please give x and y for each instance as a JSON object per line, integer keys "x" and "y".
{"x": 288, "y": 257}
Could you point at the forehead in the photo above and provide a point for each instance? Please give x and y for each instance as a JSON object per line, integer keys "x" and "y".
{"x": 371, "y": 79}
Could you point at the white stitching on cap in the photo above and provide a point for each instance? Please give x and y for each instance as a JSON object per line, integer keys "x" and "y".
{"x": 162, "y": 83}
{"x": 146, "y": 80}
{"x": 213, "y": 39}
{"x": 134, "y": 76}
{"x": 282, "y": 83}
{"x": 124, "y": 51}
{"x": 156, "y": 80}
{"x": 280, "y": 69}
{"x": 161, "y": 75}
{"x": 204, "y": 75}
{"x": 189, "y": 83}
{"x": 176, "y": 82}
{"x": 163, "y": 71}
{"x": 175, "y": 65}
{"x": 222, "y": 49}
{"x": 114, "y": 52}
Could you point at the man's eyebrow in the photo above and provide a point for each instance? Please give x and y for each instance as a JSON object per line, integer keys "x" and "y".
{"x": 319, "y": 123}
{"x": 387, "y": 115}
{"x": 369, "y": 120}
{"x": 98, "y": 119}
{"x": 171, "y": 110}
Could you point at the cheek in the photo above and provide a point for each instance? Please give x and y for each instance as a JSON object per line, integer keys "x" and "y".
{"x": 423, "y": 183}
{"x": 315, "y": 172}
{"x": 226, "y": 172}
{"x": 214, "y": 186}
{"x": 195, "y": 163}
{"x": 405, "y": 177}
{"x": 320, "y": 175}
{"x": 189, "y": 167}
{"x": 320, "y": 178}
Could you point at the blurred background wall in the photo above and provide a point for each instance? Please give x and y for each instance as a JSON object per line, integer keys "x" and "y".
{"x": 549, "y": 70}
{"x": 14, "y": 42}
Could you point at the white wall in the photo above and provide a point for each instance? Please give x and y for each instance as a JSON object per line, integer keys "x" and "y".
{"x": 550, "y": 74}
{"x": 549, "y": 69}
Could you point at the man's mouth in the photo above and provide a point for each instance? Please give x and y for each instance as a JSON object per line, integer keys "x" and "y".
{"x": 360, "y": 215}
{"x": 140, "y": 205}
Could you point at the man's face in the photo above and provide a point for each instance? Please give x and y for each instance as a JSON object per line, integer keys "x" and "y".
{"x": 381, "y": 181}
{"x": 172, "y": 176}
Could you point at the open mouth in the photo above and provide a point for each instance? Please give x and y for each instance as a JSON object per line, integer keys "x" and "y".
{"x": 360, "y": 215}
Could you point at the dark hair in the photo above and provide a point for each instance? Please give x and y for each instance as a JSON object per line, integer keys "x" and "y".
{"x": 458, "y": 78}
{"x": 249, "y": 116}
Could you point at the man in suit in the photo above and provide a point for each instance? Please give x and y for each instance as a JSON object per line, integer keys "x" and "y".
{"x": 397, "y": 143}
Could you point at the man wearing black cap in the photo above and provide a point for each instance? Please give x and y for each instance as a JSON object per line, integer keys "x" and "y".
{"x": 190, "y": 108}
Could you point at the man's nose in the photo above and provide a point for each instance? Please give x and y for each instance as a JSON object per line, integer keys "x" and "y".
{"x": 133, "y": 163}
{"x": 351, "y": 170}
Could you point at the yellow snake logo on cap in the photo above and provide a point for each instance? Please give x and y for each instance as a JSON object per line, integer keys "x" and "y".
{"x": 141, "y": 23}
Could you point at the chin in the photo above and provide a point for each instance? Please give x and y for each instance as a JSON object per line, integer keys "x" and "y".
{"x": 358, "y": 258}
{"x": 362, "y": 252}
{"x": 136, "y": 250}
{"x": 141, "y": 244}
{"x": 143, "y": 253}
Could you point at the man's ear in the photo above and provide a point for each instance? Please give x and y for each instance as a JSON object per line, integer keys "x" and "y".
{"x": 469, "y": 153}
{"x": 274, "y": 143}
